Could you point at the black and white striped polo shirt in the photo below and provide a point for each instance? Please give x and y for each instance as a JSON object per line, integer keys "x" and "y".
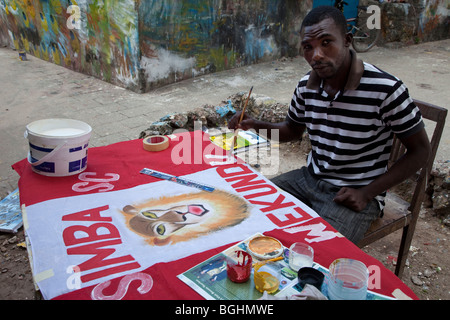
{"x": 351, "y": 134}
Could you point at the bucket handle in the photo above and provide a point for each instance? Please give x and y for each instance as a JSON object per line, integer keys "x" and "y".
{"x": 46, "y": 157}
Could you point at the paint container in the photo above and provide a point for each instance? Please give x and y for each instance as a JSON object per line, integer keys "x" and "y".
{"x": 239, "y": 266}
{"x": 347, "y": 280}
{"x": 22, "y": 55}
{"x": 300, "y": 255}
{"x": 58, "y": 147}
{"x": 264, "y": 247}
{"x": 310, "y": 276}
{"x": 267, "y": 276}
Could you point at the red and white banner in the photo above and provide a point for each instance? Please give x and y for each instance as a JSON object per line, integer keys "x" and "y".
{"x": 114, "y": 233}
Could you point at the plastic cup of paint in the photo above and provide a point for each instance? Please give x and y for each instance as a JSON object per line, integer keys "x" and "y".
{"x": 239, "y": 266}
{"x": 267, "y": 277}
{"x": 310, "y": 276}
{"x": 301, "y": 255}
{"x": 347, "y": 280}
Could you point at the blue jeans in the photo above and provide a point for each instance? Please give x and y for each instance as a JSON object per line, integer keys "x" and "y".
{"x": 319, "y": 194}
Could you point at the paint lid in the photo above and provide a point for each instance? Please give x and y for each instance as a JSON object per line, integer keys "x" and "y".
{"x": 264, "y": 247}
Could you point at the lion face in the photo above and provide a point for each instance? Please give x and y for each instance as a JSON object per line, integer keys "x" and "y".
{"x": 180, "y": 218}
{"x": 161, "y": 222}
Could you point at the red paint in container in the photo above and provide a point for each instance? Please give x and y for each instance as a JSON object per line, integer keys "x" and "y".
{"x": 239, "y": 266}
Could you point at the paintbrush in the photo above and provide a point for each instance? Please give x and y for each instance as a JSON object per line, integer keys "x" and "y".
{"x": 245, "y": 105}
{"x": 269, "y": 260}
{"x": 233, "y": 145}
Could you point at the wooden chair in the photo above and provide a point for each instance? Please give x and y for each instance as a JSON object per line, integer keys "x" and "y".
{"x": 399, "y": 213}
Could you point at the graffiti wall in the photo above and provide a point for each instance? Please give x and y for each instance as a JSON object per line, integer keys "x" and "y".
{"x": 415, "y": 21}
{"x": 434, "y": 20}
{"x": 105, "y": 44}
{"x": 144, "y": 44}
{"x": 184, "y": 38}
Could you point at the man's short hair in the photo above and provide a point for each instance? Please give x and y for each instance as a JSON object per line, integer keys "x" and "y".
{"x": 320, "y": 13}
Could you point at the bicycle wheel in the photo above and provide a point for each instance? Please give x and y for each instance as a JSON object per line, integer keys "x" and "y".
{"x": 363, "y": 37}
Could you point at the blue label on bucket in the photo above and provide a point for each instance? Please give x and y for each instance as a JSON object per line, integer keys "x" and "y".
{"x": 40, "y": 148}
{"x": 74, "y": 166}
{"x": 77, "y": 165}
{"x": 76, "y": 149}
{"x": 84, "y": 162}
{"x": 48, "y": 167}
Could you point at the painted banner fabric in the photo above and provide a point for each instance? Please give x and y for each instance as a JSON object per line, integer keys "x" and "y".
{"x": 108, "y": 234}
{"x": 113, "y": 233}
{"x": 67, "y": 232}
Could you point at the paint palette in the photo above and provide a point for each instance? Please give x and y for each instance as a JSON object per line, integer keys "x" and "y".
{"x": 265, "y": 247}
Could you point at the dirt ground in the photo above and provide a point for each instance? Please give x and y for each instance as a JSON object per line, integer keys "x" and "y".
{"x": 427, "y": 271}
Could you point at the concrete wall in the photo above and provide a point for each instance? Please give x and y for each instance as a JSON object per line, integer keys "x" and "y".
{"x": 434, "y": 19}
{"x": 184, "y": 38}
{"x": 145, "y": 44}
{"x": 106, "y": 45}
{"x": 405, "y": 21}
{"x": 415, "y": 21}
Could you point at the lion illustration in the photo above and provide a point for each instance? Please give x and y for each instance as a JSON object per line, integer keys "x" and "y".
{"x": 169, "y": 220}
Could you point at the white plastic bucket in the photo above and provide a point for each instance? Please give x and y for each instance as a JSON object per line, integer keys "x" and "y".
{"x": 348, "y": 280}
{"x": 58, "y": 147}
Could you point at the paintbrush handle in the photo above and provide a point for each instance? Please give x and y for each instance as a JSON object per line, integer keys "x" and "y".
{"x": 240, "y": 120}
{"x": 245, "y": 106}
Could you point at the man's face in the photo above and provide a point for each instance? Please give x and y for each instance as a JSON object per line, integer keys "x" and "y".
{"x": 325, "y": 47}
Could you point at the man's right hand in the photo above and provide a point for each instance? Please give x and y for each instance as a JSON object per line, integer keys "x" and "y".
{"x": 246, "y": 123}
{"x": 285, "y": 131}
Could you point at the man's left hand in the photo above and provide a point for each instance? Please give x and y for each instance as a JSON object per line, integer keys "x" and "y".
{"x": 354, "y": 199}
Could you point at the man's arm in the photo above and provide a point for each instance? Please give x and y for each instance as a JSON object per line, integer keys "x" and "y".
{"x": 286, "y": 130}
{"x": 418, "y": 150}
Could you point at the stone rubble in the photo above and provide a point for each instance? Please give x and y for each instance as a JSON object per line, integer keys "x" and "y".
{"x": 259, "y": 106}
{"x": 438, "y": 188}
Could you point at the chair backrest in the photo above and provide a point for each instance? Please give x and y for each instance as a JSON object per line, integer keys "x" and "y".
{"x": 430, "y": 112}
{"x": 437, "y": 115}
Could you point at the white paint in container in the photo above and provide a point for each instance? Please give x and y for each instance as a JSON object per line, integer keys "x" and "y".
{"x": 58, "y": 147}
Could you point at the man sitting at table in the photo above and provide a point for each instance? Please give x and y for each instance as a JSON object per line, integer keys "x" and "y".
{"x": 351, "y": 110}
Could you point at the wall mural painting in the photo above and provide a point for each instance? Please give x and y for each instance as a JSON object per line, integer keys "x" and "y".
{"x": 143, "y": 44}
{"x": 184, "y": 38}
{"x": 105, "y": 44}
{"x": 435, "y": 19}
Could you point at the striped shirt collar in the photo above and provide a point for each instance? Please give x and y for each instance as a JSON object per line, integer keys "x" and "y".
{"x": 354, "y": 78}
